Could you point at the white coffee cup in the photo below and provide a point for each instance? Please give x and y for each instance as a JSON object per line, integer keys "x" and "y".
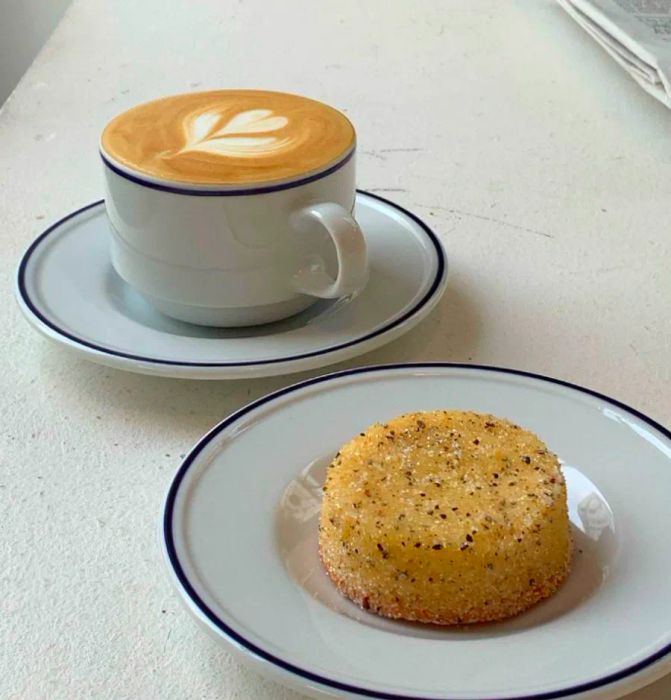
{"x": 236, "y": 255}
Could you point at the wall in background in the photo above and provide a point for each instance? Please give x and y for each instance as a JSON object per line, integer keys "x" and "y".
{"x": 24, "y": 27}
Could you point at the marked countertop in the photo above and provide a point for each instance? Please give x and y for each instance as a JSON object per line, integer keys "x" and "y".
{"x": 542, "y": 166}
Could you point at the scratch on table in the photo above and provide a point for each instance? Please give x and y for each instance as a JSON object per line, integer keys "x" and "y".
{"x": 400, "y": 150}
{"x": 385, "y": 189}
{"x": 614, "y": 268}
{"x": 165, "y": 644}
{"x": 373, "y": 154}
{"x": 593, "y": 271}
{"x": 472, "y": 215}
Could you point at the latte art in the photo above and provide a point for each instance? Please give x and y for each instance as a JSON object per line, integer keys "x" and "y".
{"x": 229, "y": 137}
{"x": 235, "y": 136}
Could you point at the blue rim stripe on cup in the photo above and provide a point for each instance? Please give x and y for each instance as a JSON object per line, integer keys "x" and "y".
{"x": 229, "y": 192}
{"x": 436, "y": 284}
{"x": 240, "y": 641}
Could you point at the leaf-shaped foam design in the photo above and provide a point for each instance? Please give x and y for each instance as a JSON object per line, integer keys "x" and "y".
{"x": 202, "y": 126}
{"x": 202, "y": 134}
{"x": 240, "y": 146}
{"x": 252, "y": 121}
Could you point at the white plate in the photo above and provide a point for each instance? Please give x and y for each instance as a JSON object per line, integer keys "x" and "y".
{"x": 240, "y": 536}
{"x": 68, "y": 290}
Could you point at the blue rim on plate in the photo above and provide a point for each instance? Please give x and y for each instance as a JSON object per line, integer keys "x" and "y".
{"x": 230, "y": 192}
{"x": 247, "y": 645}
{"x": 438, "y": 281}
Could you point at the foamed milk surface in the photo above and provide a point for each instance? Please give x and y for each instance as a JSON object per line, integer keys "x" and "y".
{"x": 228, "y": 137}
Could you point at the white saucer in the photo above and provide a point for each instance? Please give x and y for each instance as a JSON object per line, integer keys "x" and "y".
{"x": 240, "y": 538}
{"x": 68, "y": 290}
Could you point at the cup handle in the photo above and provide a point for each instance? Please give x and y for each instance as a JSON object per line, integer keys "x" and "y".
{"x": 350, "y": 248}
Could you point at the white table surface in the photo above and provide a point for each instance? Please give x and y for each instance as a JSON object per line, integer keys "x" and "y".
{"x": 542, "y": 166}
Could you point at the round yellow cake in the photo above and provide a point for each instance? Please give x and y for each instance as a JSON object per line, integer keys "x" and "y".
{"x": 446, "y": 517}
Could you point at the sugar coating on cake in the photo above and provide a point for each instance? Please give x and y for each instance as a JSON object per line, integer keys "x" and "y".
{"x": 446, "y": 517}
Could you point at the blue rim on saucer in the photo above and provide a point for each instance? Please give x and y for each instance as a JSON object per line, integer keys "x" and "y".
{"x": 433, "y": 291}
{"x": 241, "y": 641}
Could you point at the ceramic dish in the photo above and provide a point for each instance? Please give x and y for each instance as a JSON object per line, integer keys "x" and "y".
{"x": 89, "y": 310}
{"x": 240, "y": 537}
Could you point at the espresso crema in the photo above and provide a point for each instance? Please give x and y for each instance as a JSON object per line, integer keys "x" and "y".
{"x": 229, "y": 137}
